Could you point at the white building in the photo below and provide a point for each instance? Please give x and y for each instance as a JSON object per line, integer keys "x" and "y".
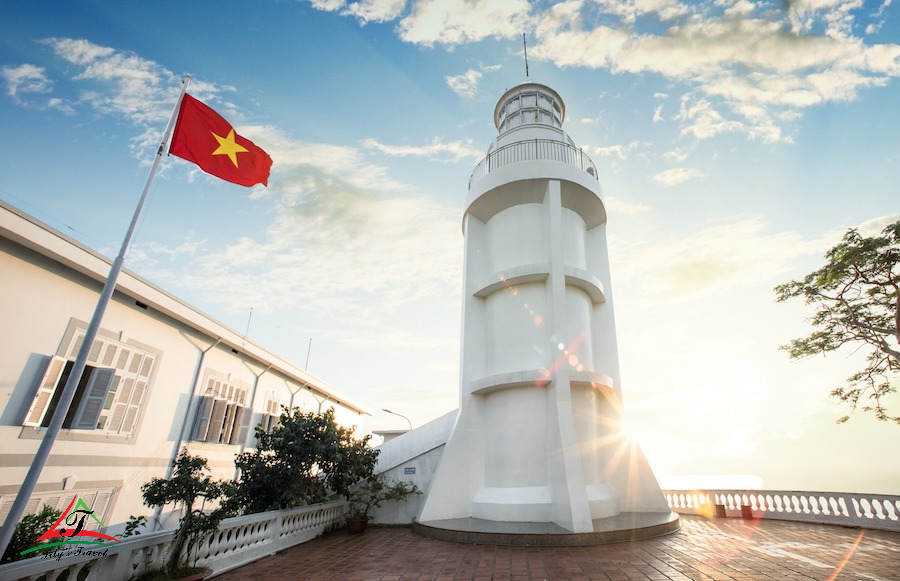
{"x": 538, "y": 436}
{"x": 160, "y": 375}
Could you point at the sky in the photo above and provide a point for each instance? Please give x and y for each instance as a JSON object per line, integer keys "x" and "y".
{"x": 736, "y": 142}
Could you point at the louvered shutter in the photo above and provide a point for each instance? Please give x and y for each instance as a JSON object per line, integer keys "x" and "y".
{"x": 45, "y": 392}
{"x": 92, "y": 401}
{"x": 101, "y": 502}
{"x": 220, "y": 406}
{"x": 245, "y": 416}
{"x": 5, "y": 507}
{"x": 204, "y": 414}
{"x": 228, "y": 423}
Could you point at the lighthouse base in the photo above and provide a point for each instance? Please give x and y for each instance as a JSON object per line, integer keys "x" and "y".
{"x": 626, "y": 526}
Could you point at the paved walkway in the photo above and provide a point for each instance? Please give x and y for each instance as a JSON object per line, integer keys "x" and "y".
{"x": 717, "y": 549}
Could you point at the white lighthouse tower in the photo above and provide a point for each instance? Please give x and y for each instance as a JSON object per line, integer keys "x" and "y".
{"x": 538, "y": 437}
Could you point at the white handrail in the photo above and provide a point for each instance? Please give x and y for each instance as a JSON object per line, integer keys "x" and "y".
{"x": 533, "y": 150}
{"x": 871, "y": 511}
{"x": 238, "y": 541}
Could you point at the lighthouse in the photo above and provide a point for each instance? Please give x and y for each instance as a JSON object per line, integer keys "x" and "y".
{"x": 538, "y": 440}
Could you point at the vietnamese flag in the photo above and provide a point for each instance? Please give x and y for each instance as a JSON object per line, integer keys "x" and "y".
{"x": 204, "y": 137}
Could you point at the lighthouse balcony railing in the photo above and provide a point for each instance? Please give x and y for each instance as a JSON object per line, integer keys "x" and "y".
{"x": 533, "y": 150}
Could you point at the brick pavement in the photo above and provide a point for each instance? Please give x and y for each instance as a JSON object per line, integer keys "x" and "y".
{"x": 717, "y": 549}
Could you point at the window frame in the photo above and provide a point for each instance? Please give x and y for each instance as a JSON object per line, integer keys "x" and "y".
{"x": 94, "y": 386}
{"x": 115, "y": 367}
{"x": 223, "y": 416}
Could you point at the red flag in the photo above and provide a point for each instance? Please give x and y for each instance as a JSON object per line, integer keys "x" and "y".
{"x": 203, "y": 137}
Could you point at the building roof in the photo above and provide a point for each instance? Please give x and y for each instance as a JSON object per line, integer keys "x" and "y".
{"x": 33, "y": 234}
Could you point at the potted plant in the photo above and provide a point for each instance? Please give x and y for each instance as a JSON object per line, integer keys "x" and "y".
{"x": 189, "y": 483}
{"x": 369, "y": 494}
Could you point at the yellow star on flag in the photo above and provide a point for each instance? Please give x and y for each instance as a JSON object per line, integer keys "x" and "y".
{"x": 227, "y": 146}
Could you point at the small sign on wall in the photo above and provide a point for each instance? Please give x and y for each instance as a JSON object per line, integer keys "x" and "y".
{"x": 408, "y": 471}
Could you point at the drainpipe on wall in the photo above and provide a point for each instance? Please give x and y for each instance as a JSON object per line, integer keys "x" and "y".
{"x": 191, "y": 407}
{"x": 252, "y": 407}
{"x": 293, "y": 393}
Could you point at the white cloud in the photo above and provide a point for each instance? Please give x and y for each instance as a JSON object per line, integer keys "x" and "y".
{"x": 620, "y": 151}
{"x": 563, "y": 41}
{"x": 875, "y": 27}
{"x": 617, "y": 205}
{"x": 741, "y": 55}
{"x": 734, "y": 54}
{"x": 630, "y": 10}
{"x": 452, "y": 22}
{"x": 835, "y": 15}
{"x": 730, "y": 254}
{"x": 333, "y": 250}
{"x": 874, "y": 226}
{"x": 338, "y": 162}
{"x": 677, "y": 175}
{"x": 143, "y": 91}
{"x": 25, "y": 81}
{"x": 704, "y": 304}
{"x": 466, "y": 84}
{"x": 328, "y": 5}
{"x": 702, "y": 120}
{"x": 436, "y": 150}
{"x": 375, "y": 10}
{"x": 677, "y": 155}
{"x": 345, "y": 241}
{"x": 133, "y": 88}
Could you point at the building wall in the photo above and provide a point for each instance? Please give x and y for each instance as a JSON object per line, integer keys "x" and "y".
{"x": 45, "y": 301}
{"x": 412, "y": 457}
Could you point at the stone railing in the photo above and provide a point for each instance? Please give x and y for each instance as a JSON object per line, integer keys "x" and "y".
{"x": 871, "y": 511}
{"x": 238, "y": 541}
{"x": 533, "y": 150}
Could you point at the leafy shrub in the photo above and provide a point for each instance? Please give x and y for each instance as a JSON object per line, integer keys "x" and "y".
{"x": 27, "y": 531}
{"x": 302, "y": 460}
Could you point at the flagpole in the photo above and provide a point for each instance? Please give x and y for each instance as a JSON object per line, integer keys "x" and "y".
{"x": 68, "y": 393}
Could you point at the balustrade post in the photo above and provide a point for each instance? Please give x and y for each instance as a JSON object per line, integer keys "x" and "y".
{"x": 279, "y": 526}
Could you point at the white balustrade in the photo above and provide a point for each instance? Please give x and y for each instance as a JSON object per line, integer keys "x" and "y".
{"x": 244, "y": 539}
{"x": 238, "y": 541}
{"x": 872, "y": 511}
{"x": 532, "y": 150}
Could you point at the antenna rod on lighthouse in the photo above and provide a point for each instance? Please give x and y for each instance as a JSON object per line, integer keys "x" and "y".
{"x": 525, "y": 47}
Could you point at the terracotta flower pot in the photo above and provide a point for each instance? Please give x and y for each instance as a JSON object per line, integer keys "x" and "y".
{"x": 198, "y": 576}
{"x": 357, "y": 525}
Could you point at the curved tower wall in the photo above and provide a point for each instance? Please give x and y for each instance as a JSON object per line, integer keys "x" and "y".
{"x": 538, "y": 436}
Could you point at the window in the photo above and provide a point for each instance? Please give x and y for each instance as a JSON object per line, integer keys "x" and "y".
{"x": 110, "y": 394}
{"x": 97, "y": 500}
{"x": 272, "y": 417}
{"x": 223, "y": 417}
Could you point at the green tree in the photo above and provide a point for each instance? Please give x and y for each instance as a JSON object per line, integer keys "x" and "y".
{"x": 857, "y": 303}
{"x": 27, "y": 532}
{"x": 302, "y": 460}
{"x": 190, "y": 482}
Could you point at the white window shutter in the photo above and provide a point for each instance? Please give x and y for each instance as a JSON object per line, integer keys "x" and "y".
{"x": 204, "y": 413}
{"x": 100, "y": 504}
{"x": 216, "y": 421}
{"x": 244, "y": 417}
{"x": 228, "y": 423}
{"x": 134, "y": 405}
{"x": 91, "y": 403}
{"x": 45, "y": 392}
